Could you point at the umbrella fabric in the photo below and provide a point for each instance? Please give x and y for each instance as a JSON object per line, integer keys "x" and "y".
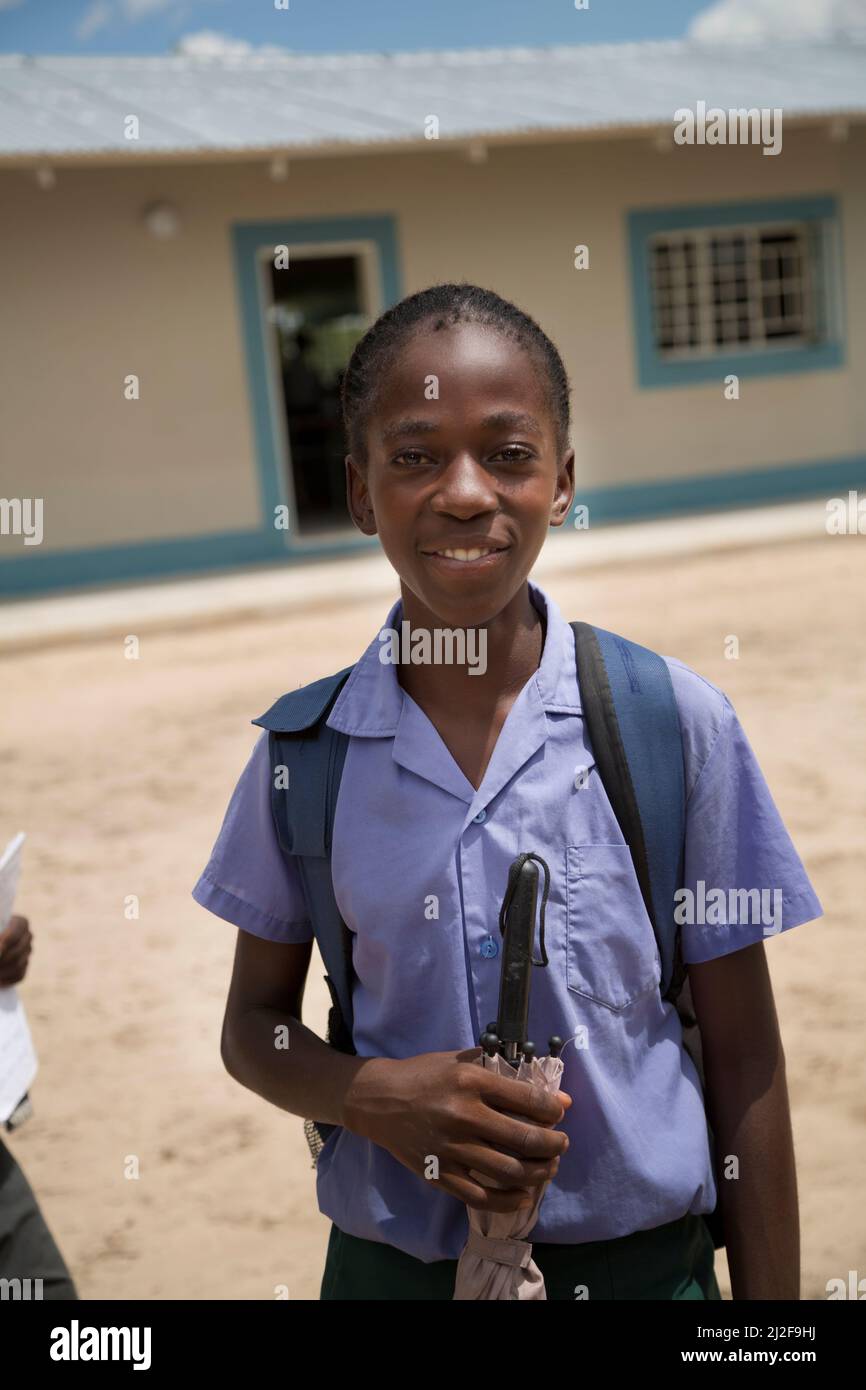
{"x": 497, "y": 1262}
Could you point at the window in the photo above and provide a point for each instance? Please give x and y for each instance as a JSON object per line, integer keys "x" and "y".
{"x": 739, "y": 289}
{"x": 718, "y": 289}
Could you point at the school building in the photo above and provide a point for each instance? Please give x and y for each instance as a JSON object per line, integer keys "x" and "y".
{"x": 192, "y": 246}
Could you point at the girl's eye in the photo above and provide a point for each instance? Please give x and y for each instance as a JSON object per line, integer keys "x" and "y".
{"x": 512, "y": 453}
{"x": 516, "y": 451}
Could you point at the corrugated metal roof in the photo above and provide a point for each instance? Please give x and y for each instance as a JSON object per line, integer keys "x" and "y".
{"x": 76, "y": 106}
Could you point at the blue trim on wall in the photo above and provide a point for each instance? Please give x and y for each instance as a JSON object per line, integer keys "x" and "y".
{"x": 248, "y": 238}
{"x": 33, "y": 573}
{"x": 653, "y": 369}
{"x": 720, "y": 491}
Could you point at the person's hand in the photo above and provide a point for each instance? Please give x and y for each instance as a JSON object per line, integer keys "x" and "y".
{"x": 467, "y": 1118}
{"x": 16, "y": 943}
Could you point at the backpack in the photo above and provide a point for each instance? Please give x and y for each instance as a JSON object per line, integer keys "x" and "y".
{"x": 632, "y": 719}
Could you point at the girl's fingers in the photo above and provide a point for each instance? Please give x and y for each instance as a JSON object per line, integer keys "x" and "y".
{"x": 507, "y": 1170}
{"x": 13, "y": 966}
{"x": 15, "y": 955}
{"x": 458, "y": 1183}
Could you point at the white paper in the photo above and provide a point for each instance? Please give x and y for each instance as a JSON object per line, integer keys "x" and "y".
{"x": 10, "y": 872}
{"x": 18, "y": 1063}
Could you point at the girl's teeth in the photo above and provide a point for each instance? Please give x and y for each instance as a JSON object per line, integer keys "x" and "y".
{"x": 465, "y": 554}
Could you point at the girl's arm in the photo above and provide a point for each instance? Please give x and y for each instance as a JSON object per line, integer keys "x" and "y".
{"x": 747, "y": 1106}
{"x": 307, "y": 1077}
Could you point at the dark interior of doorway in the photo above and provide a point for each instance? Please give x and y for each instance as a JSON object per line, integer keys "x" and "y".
{"x": 318, "y": 315}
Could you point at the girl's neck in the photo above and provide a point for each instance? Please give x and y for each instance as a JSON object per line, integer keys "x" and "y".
{"x": 506, "y": 652}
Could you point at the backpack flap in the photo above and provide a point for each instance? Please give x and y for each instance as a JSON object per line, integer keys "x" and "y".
{"x": 304, "y": 755}
{"x": 302, "y": 708}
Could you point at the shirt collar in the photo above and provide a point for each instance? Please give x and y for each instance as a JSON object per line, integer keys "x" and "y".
{"x": 371, "y": 703}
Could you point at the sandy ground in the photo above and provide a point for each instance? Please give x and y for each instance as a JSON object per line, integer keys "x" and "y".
{"x": 120, "y": 772}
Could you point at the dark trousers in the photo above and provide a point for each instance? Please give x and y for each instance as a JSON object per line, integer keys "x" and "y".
{"x": 674, "y": 1261}
{"x": 27, "y": 1248}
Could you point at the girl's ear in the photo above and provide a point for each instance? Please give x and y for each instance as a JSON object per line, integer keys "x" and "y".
{"x": 564, "y": 495}
{"x": 358, "y": 498}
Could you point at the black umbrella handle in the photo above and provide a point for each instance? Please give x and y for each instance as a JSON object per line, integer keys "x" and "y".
{"x": 517, "y": 925}
{"x": 516, "y": 877}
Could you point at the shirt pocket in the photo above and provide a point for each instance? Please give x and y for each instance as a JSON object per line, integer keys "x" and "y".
{"x": 611, "y": 951}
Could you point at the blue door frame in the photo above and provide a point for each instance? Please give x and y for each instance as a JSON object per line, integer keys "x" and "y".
{"x": 249, "y": 238}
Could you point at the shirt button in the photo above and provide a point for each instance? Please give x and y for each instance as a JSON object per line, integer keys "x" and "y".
{"x": 482, "y": 816}
{"x": 489, "y": 948}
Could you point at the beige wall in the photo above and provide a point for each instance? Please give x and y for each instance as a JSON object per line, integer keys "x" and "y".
{"x": 88, "y": 296}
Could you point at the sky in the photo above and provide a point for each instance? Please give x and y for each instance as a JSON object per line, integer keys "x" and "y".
{"x": 328, "y": 26}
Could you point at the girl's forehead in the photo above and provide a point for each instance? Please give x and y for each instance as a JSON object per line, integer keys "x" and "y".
{"x": 466, "y": 338}
{"x": 468, "y": 356}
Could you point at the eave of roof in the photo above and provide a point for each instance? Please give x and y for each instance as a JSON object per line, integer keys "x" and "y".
{"x": 339, "y": 104}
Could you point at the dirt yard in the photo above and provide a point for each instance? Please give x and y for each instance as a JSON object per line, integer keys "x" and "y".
{"x": 120, "y": 771}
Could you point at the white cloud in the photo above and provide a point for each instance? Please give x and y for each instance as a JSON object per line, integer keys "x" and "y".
{"x": 95, "y": 17}
{"x": 101, "y": 13}
{"x": 10, "y": 4}
{"x": 207, "y": 43}
{"x": 779, "y": 19}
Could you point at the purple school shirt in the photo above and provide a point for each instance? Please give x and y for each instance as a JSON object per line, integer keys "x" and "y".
{"x": 411, "y": 833}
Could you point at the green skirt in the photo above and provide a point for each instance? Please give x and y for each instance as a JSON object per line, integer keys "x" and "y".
{"x": 674, "y": 1261}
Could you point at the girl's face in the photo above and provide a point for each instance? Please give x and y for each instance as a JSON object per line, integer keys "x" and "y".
{"x": 461, "y": 456}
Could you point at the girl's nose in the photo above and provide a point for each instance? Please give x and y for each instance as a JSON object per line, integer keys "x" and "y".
{"x": 465, "y": 488}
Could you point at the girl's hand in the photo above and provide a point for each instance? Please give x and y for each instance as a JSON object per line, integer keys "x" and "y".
{"x": 434, "y": 1107}
{"x": 16, "y": 943}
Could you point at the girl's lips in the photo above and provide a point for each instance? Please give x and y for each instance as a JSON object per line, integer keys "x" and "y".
{"x": 450, "y": 566}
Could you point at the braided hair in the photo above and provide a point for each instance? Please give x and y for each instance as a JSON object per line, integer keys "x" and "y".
{"x": 442, "y": 306}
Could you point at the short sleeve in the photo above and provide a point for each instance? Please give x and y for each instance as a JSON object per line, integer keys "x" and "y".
{"x": 743, "y": 879}
{"x": 247, "y": 880}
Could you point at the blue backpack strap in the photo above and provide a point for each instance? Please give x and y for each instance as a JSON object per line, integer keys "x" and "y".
{"x": 307, "y": 760}
{"x": 633, "y": 721}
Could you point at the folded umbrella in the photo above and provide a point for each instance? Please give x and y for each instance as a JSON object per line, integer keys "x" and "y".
{"x": 496, "y": 1262}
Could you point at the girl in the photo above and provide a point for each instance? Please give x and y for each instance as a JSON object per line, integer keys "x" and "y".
{"x": 456, "y": 410}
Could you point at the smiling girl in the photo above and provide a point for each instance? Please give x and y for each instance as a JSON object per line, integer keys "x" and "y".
{"x": 456, "y": 409}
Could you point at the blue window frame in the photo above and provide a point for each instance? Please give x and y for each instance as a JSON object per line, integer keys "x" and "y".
{"x": 745, "y": 289}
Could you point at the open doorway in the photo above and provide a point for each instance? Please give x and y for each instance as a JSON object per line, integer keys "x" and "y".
{"x": 319, "y": 308}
